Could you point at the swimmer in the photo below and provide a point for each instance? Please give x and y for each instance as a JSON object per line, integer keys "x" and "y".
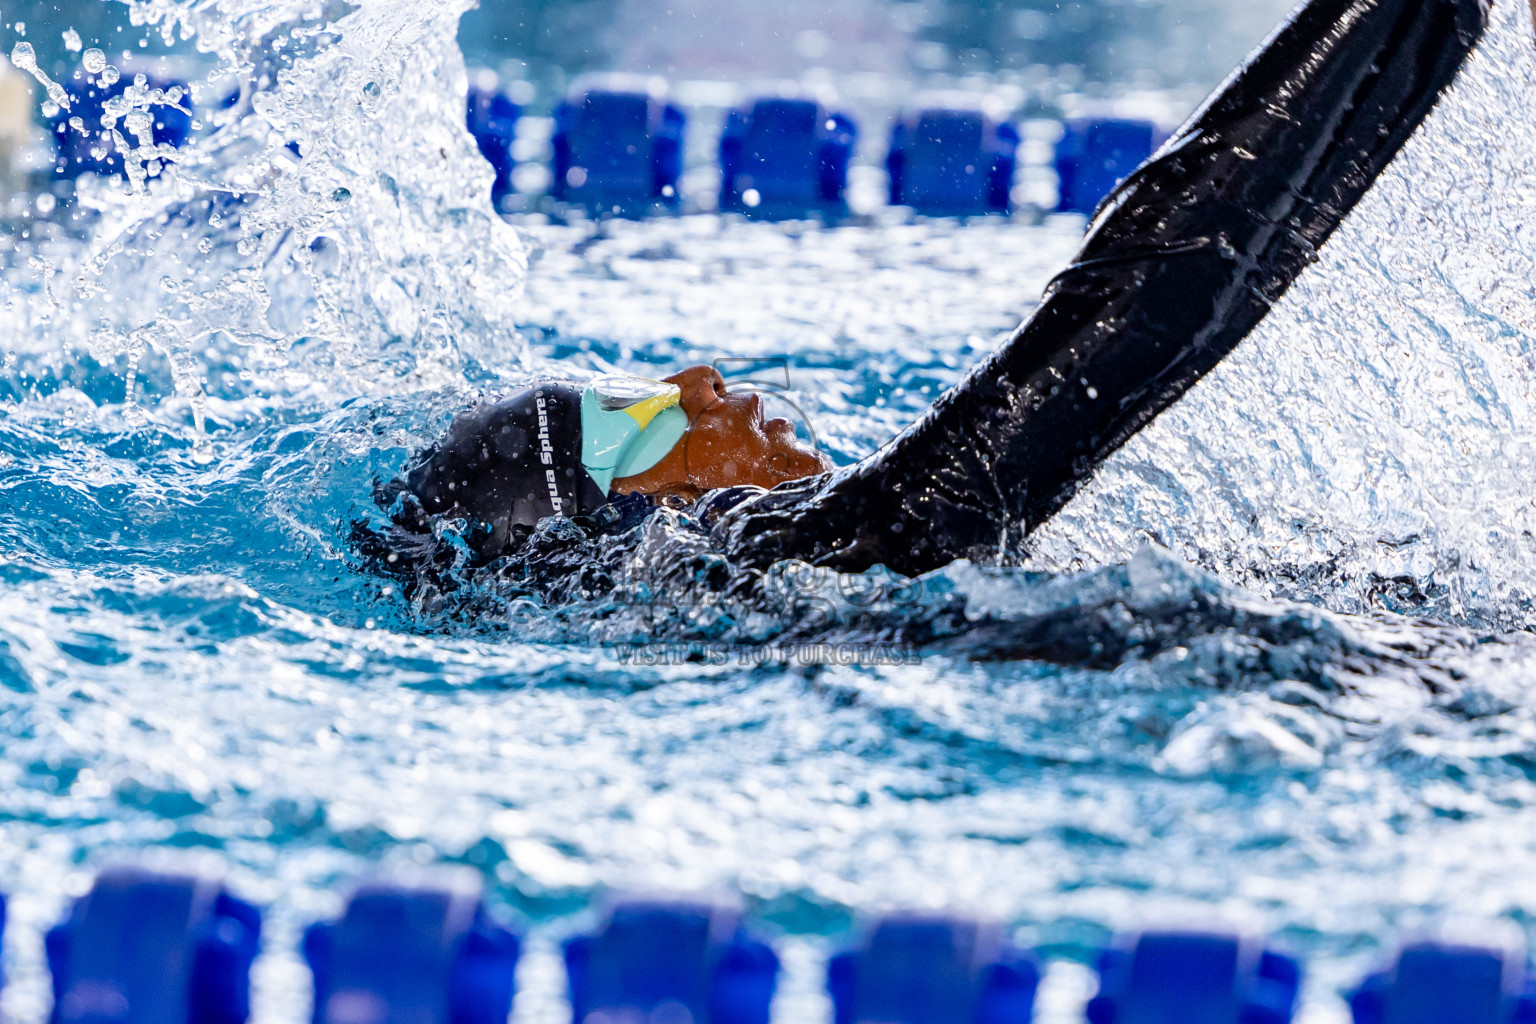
{"x": 565, "y": 448}
{"x": 1179, "y": 264}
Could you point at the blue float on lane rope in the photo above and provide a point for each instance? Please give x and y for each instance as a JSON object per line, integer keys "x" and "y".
{"x": 492, "y": 121}
{"x": 617, "y": 151}
{"x": 1443, "y": 983}
{"x": 952, "y": 162}
{"x": 924, "y": 969}
{"x": 785, "y": 158}
{"x": 652, "y": 953}
{"x": 420, "y": 951}
{"x": 144, "y": 947}
{"x": 1191, "y": 977}
{"x": 1095, "y": 155}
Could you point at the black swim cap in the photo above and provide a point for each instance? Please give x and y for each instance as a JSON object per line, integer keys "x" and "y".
{"x": 511, "y": 462}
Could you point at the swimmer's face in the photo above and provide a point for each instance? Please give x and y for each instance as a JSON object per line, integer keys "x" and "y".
{"x": 728, "y": 443}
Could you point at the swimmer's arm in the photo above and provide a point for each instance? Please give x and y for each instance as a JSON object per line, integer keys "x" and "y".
{"x": 1179, "y": 264}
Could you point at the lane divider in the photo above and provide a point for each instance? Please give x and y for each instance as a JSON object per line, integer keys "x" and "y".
{"x": 620, "y": 151}
{"x": 154, "y": 947}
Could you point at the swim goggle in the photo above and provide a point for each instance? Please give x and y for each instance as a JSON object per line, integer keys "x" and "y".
{"x": 628, "y": 424}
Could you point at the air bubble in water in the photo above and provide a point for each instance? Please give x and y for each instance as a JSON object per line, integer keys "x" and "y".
{"x": 109, "y": 75}
{"x": 93, "y": 60}
{"x": 78, "y": 124}
{"x": 72, "y": 40}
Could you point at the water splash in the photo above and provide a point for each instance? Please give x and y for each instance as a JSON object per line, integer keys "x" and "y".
{"x": 340, "y": 207}
{"x": 1373, "y": 444}
{"x": 24, "y": 58}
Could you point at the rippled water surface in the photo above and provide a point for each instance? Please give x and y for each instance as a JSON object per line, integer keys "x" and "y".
{"x": 1274, "y": 665}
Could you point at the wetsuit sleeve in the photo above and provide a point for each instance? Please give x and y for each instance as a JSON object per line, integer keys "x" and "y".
{"x": 1179, "y": 264}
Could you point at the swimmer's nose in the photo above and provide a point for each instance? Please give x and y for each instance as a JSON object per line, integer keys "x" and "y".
{"x": 702, "y": 386}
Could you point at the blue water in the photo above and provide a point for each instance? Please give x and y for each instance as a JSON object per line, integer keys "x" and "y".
{"x": 1273, "y": 666}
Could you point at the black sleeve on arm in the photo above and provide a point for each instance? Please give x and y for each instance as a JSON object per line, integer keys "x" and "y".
{"x": 1179, "y": 264}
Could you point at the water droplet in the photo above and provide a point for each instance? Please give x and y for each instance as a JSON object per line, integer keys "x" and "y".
{"x": 93, "y": 60}
{"x": 109, "y": 75}
{"x": 24, "y": 58}
{"x": 72, "y": 40}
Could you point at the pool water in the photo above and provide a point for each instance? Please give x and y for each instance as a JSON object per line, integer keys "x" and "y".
{"x": 1272, "y": 666}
